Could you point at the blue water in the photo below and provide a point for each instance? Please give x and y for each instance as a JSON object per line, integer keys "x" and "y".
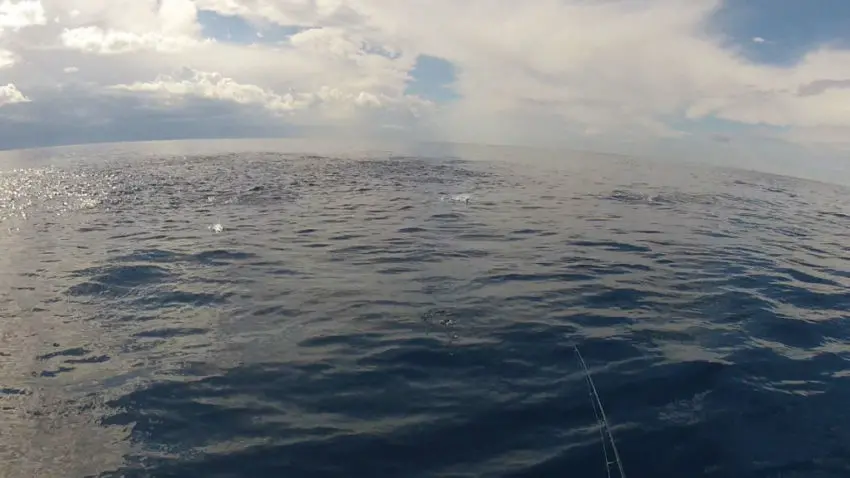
{"x": 267, "y": 309}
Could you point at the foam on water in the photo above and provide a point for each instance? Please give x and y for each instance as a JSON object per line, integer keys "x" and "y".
{"x": 457, "y": 198}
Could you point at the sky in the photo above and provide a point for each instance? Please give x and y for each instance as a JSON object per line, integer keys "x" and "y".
{"x": 761, "y": 83}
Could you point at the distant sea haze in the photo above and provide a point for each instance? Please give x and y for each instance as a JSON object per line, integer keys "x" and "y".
{"x": 218, "y": 309}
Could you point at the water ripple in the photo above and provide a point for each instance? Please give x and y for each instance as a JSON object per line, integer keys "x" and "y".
{"x": 398, "y": 315}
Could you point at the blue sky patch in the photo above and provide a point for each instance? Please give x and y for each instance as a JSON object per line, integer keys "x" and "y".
{"x": 238, "y": 30}
{"x": 433, "y": 79}
{"x": 789, "y": 28}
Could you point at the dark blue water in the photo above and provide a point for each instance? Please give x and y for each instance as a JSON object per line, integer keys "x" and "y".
{"x": 207, "y": 310}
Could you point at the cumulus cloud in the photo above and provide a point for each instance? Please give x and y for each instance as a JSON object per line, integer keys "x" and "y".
{"x": 171, "y": 89}
{"x": 165, "y": 26}
{"x": 15, "y": 15}
{"x": 610, "y": 68}
{"x": 211, "y": 85}
{"x": 10, "y": 95}
{"x": 565, "y": 72}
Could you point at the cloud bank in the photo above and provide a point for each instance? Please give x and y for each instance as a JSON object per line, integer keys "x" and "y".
{"x": 627, "y": 75}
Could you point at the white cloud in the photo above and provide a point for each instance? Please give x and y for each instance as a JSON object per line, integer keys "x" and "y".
{"x": 215, "y": 86}
{"x": 15, "y": 15}
{"x": 124, "y": 26}
{"x": 168, "y": 17}
{"x": 546, "y": 71}
{"x": 10, "y": 94}
{"x": 94, "y": 39}
{"x": 71, "y": 69}
{"x": 787, "y": 97}
{"x": 179, "y": 17}
{"x": 596, "y": 70}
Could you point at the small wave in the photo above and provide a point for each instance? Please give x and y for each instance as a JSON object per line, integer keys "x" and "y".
{"x": 705, "y": 308}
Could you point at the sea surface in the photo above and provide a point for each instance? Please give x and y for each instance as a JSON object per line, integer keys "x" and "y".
{"x": 251, "y": 309}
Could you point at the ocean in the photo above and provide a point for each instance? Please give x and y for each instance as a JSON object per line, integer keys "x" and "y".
{"x": 273, "y": 308}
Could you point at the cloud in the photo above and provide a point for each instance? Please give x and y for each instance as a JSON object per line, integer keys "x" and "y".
{"x": 80, "y": 116}
{"x": 623, "y": 75}
{"x": 819, "y": 86}
{"x": 215, "y": 86}
{"x": 7, "y": 58}
{"x": 166, "y": 26}
{"x": 772, "y": 96}
{"x": 15, "y": 15}
{"x": 10, "y": 95}
{"x": 327, "y": 105}
{"x": 590, "y": 70}
{"x": 96, "y": 40}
